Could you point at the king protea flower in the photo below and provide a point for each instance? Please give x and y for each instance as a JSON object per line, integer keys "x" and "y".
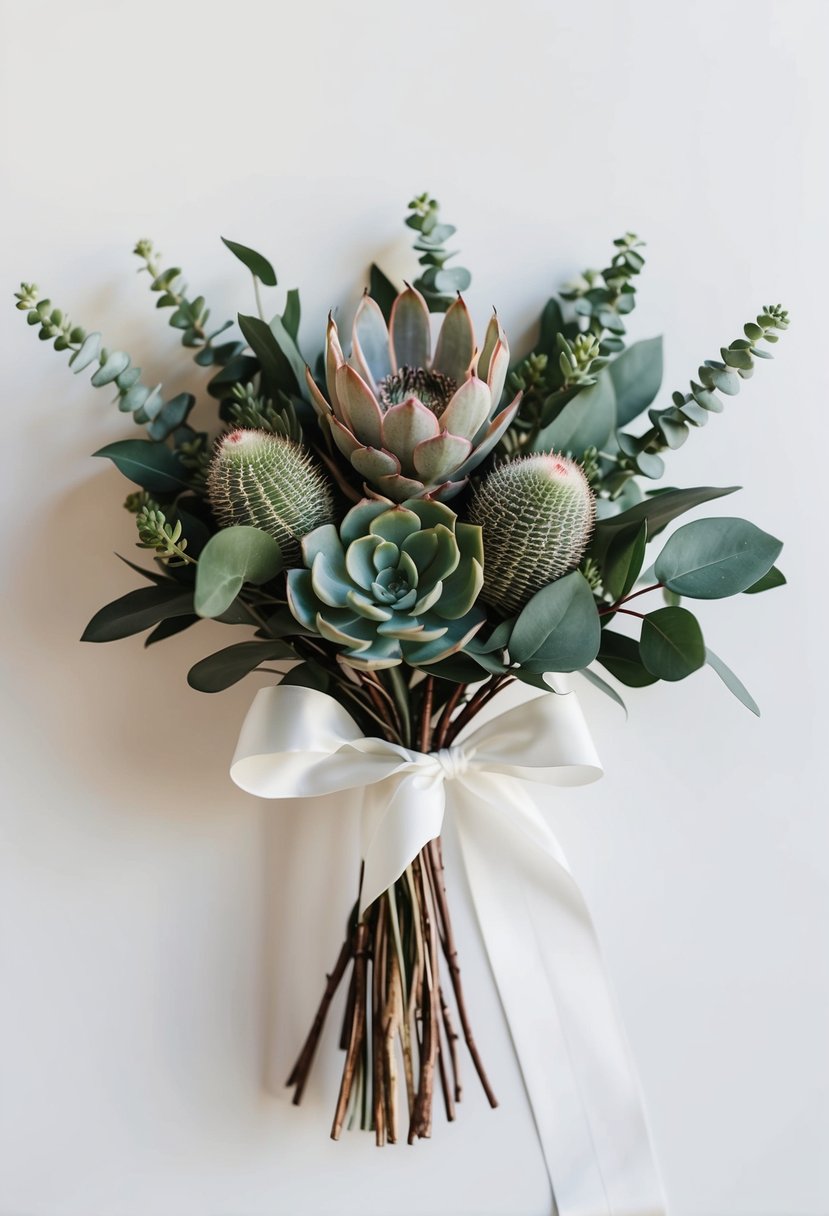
{"x": 412, "y": 424}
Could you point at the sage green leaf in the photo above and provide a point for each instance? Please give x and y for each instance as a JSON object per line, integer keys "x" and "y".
{"x": 290, "y": 350}
{"x": 150, "y": 465}
{"x": 230, "y": 559}
{"x": 603, "y": 686}
{"x": 620, "y": 656}
{"x": 382, "y": 290}
{"x": 559, "y": 628}
{"x": 292, "y": 313}
{"x": 713, "y": 558}
{"x": 732, "y": 683}
{"x": 138, "y": 610}
{"x": 218, "y": 671}
{"x": 307, "y": 675}
{"x": 772, "y": 578}
{"x": 551, "y": 325}
{"x": 659, "y": 510}
{"x": 170, "y": 627}
{"x": 624, "y": 559}
{"x": 585, "y": 422}
{"x": 637, "y": 377}
{"x": 671, "y": 644}
{"x": 277, "y": 368}
{"x": 254, "y": 261}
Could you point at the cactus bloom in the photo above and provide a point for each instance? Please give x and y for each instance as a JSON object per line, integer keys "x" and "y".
{"x": 413, "y": 424}
{"x": 271, "y": 483}
{"x": 395, "y": 583}
{"x": 537, "y": 517}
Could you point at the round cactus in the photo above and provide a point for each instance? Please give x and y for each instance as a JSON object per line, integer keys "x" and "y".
{"x": 537, "y": 516}
{"x": 271, "y": 483}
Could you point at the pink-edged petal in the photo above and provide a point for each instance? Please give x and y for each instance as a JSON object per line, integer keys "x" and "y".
{"x": 398, "y": 488}
{"x": 496, "y": 429}
{"x": 497, "y": 375}
{"x": 374, "y": 463}
{"x": 468, "y": 410}
{"x": 317, "y": 400}
{"x": 435, "y": 459}
{"x": 443, "y": 493}
{"x": 370, "y": 341}
{"x": 334, "y": 358}
{"x": 343, "y": 438}
{"x": 456, "y": 342}
{"x": 407, "y": 425}
{"x": 494, "y": 334}
{"x": 359, "y": 406}
{"x": 411, "y": 340}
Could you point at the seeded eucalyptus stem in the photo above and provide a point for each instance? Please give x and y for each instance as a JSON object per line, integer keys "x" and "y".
{"x": 396, "y": 1000}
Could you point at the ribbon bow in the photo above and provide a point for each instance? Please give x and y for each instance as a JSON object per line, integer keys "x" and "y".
{"x": 542, "y": 948}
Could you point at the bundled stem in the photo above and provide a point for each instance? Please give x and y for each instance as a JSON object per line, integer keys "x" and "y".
{"x": 396, "y": 1008}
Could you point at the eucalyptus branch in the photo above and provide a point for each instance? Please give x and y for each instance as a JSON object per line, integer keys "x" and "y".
{"x": 603, "y": 297}
{"x": 156, "y": 533}
{"x": 438, "y": 285}
{"x": 114, "y": 367}
{"x": 189, "y": 316}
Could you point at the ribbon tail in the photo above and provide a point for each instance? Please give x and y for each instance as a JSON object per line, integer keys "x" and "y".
{"x": 548, "y": 970}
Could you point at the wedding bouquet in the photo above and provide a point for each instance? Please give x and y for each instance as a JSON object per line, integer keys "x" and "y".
{"x": 408, "y": 523}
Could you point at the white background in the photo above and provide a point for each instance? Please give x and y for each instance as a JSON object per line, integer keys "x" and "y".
{"x": 143, "y": 897}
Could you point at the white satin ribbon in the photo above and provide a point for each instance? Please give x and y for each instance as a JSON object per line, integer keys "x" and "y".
{"x": 579, "y": 1076}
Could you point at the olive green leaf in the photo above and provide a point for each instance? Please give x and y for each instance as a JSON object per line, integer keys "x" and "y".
{"x": 218, "y": 671}
{"x": 254, "y": 261}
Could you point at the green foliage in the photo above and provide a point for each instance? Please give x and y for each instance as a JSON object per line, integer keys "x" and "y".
{"x": 437, "y": 283}
{"x": 150, "y": 465}
{"x": 165, "y": 539}
{"x": 254, "y": 412}
{"x": 226, "y": 667}
{"x": 732, "y": 683}
{"x": 230, "y": 559}
{"x": 283, "y": 368}
{"x": 604, "y": 297}
{"x": 659, "y": 510}
{"x": 139, "y": 610}
{"x": 636, "y": 375}
{"x": 624, "y": 559}
{"x": 620, "y": 656}
{"x": 671, "y": 645}
{"x": 258, "y": 266}
{"x": 713, "y": 558}
{"x": 190, "y": 317}
{"x": 558, "y": 629}
{"x": 772, "y": 578}
{"x": 114, "y": 367}
{"x": 671, "y": 426}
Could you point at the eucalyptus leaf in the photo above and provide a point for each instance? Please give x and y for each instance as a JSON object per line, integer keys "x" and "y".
{"x": 620, "y": 655}
{"x": 138, "y": 610}
{"x": 153, "y": 466}
{"x": 559, "y": 628}
{"x": 602, "y": 685}
{"x": 713, "y": 558}
{"x": 772, "y": 578}
{"x": 637, "y": 377}
{"x": 585, "y": 422}
{"x": 230, "y": 559}
{"x": 277, "y": 368}
{"x": 671, "y": 644}
{"x": 255, "y": 262}
{"x": 659, "y": 510}
{"x": 732, "y": 683}
{"x": 226, "y": 667}
{"x": 624, "y": 559}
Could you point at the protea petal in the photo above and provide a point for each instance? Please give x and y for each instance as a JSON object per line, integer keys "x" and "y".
{"x": 411, "y": 341}
{"x": 494, "y": 334}
{"x": 334, "y": 359}
{"x": 317, "y": 400}
{"x": 399, "y": 488}
{"x": 359, "y": 405}
{"x": 497, "y": 374}
{"x": 404, "y": 427}
{"x": 370, "y": 341}
{"x": 494, "y": 432}
{"x": 343, "y": 438}
{"x": 468, "y": 410}
{"x": 456, "y": 342}
{"x": 435, "y": 459}
{"x": 373, "y": 463}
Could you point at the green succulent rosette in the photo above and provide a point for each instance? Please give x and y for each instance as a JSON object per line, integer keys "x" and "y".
{"x": 395, "y": 584}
